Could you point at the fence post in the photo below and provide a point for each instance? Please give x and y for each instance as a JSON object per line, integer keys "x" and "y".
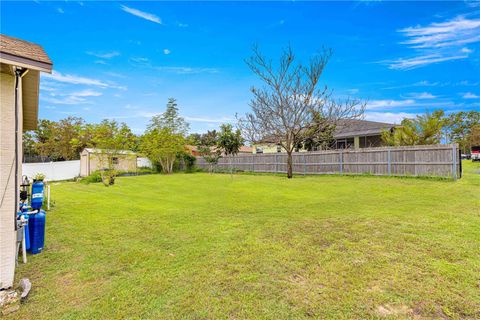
{"x": 276, "y": 163}
{"x": 389, "y": 159}
{"x": 454, "y": 162}
{"x": 48, "y": 196}
{"x": 341, "y": 161}
{"x": 304, "y": 165}
{"x": 253, "y": 163}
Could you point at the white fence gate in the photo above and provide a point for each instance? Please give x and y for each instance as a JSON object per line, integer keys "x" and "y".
{"x": 54, "y": 171}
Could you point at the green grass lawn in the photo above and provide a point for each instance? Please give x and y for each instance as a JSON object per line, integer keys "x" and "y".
{"x": 200, "y": 246}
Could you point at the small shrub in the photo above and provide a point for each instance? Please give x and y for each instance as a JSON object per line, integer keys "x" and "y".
{"x": 145, "y": 170}
{"x": 189, "y": 162}
{"x": 39, "y": 177}
{"x": 94, "y": 177}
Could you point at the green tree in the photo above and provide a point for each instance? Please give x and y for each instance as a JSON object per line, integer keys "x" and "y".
{"x": 161, "y": 146}
{"x": 229, "y": 141}
{"x": 203, "y": 139}
{"x": 170, "y": 119}
{"x": 58, "y": 140}
{"x": 112, "y": 139}
{"x": 459, "y": 126}
{"x": 29, "y": 144}
{"x": 43, "y": 136}
{"x": 424, "y": 129}
{"x": 474, "y": 136}
{"x": 319, "y": 135}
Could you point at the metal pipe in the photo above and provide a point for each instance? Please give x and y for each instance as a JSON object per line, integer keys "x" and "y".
{"x": 19, "y": 73}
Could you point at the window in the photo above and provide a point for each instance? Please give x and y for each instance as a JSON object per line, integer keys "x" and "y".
{"x": 114, "y": 160}
{"x": 279, "y": 149}
{"x": 259, "y": 150}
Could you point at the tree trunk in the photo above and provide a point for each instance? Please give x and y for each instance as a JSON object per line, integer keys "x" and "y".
{"x": 289, "y": 165}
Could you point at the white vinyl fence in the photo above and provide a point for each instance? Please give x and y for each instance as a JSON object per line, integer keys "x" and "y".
{"x": 63, "y": 170}
{"x": 144, "y": 162}
{"x": 54, "y": 171}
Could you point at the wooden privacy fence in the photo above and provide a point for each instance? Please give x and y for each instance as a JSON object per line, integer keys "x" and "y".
{"x": 431, "y": 160}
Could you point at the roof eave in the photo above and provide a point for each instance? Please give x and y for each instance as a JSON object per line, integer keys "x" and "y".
{"x": 11, "y": 59}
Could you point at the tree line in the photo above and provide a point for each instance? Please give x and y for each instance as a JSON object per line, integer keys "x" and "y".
{"x": 164, "y": 141}
{"x": 461, "y": 127}
{"x": 291, "y": 109}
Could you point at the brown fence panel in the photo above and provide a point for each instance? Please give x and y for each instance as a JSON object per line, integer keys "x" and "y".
{"x": 433, "y": 160}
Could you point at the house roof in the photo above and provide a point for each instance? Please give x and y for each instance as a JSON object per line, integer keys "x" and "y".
{"x": 19, "y": 53}
{"x": 243, "y": 149}
{"x": 352, "y": 127}
{"x": 24, "y": 54}
{"x": 95, "y": 150}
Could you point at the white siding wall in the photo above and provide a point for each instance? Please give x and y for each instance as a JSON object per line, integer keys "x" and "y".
{"x": 7, "y": 177}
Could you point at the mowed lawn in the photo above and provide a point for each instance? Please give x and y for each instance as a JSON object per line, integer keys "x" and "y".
{"x": 201, "y": 246}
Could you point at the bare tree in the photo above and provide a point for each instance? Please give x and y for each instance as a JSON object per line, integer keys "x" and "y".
{"x": 291, "y": 98}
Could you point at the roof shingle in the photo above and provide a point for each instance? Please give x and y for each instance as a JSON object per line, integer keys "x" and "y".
{"x": 24, "y": 49}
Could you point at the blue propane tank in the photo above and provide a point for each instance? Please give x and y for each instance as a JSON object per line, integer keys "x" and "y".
{"x": 36, "y": 227}
{"x": 37, "y": 195}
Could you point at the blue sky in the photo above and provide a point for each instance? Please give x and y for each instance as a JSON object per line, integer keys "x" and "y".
{"x": 122, "y": 60}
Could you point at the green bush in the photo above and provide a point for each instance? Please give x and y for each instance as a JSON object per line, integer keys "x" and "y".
{"x": 189, "y": 162}
{"x": 146, "y": 170}
{"x": 94, "y": 177}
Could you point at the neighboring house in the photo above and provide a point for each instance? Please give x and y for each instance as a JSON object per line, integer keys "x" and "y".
{"x": 21, "y": 63}
{"x": 194, "y": 150}
{"x": 97, "y": 159}
{"x": 348, "y": 134}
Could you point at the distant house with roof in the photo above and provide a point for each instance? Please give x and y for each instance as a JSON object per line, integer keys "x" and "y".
{"x": 348, "y": 134}
{"x": 195, "y": 152}
{"x": 21, "y": 63}
{"x": 92, "y": 159}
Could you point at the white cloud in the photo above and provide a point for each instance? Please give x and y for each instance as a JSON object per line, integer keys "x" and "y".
{"x": 104, "y": 55}
{"x": 141, "y": 60}
{"x": 149, "y": 114}
{"x": 353, "y": 91}
{"x": 187, "y": 70}
{"x": 64, "y": 100}
{"x": 388, "y": 117}
{"x": 422, "y": 95}
{"x": 384, "y": 104}
{"x": 473, "y": 3}
{"x": 115, "y": 74}
{"x": 182, "y": 25}
{"x": 438, "y": 42}
{"x": 443, "y": 34}
{"x": 100, "y": 62}
{"x": 142, "y": 14}
{"x": 166, "y": 51}
{"x": 426, "y": 83}
{"x": 209, "y": 120}
{"x": 467, "y": 83}
{"x": 68, "y": 78}
{"x": 73, "y": 79}
{"x": 470, "y": 95}
{"x": 86, "y": 93}
{"x": 76, "y": 97}
{"x": 60, "y": 10}
{"x": 420, "y": 61}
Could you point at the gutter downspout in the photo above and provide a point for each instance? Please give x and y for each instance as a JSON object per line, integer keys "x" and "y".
{"x": 19, "y": 73}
